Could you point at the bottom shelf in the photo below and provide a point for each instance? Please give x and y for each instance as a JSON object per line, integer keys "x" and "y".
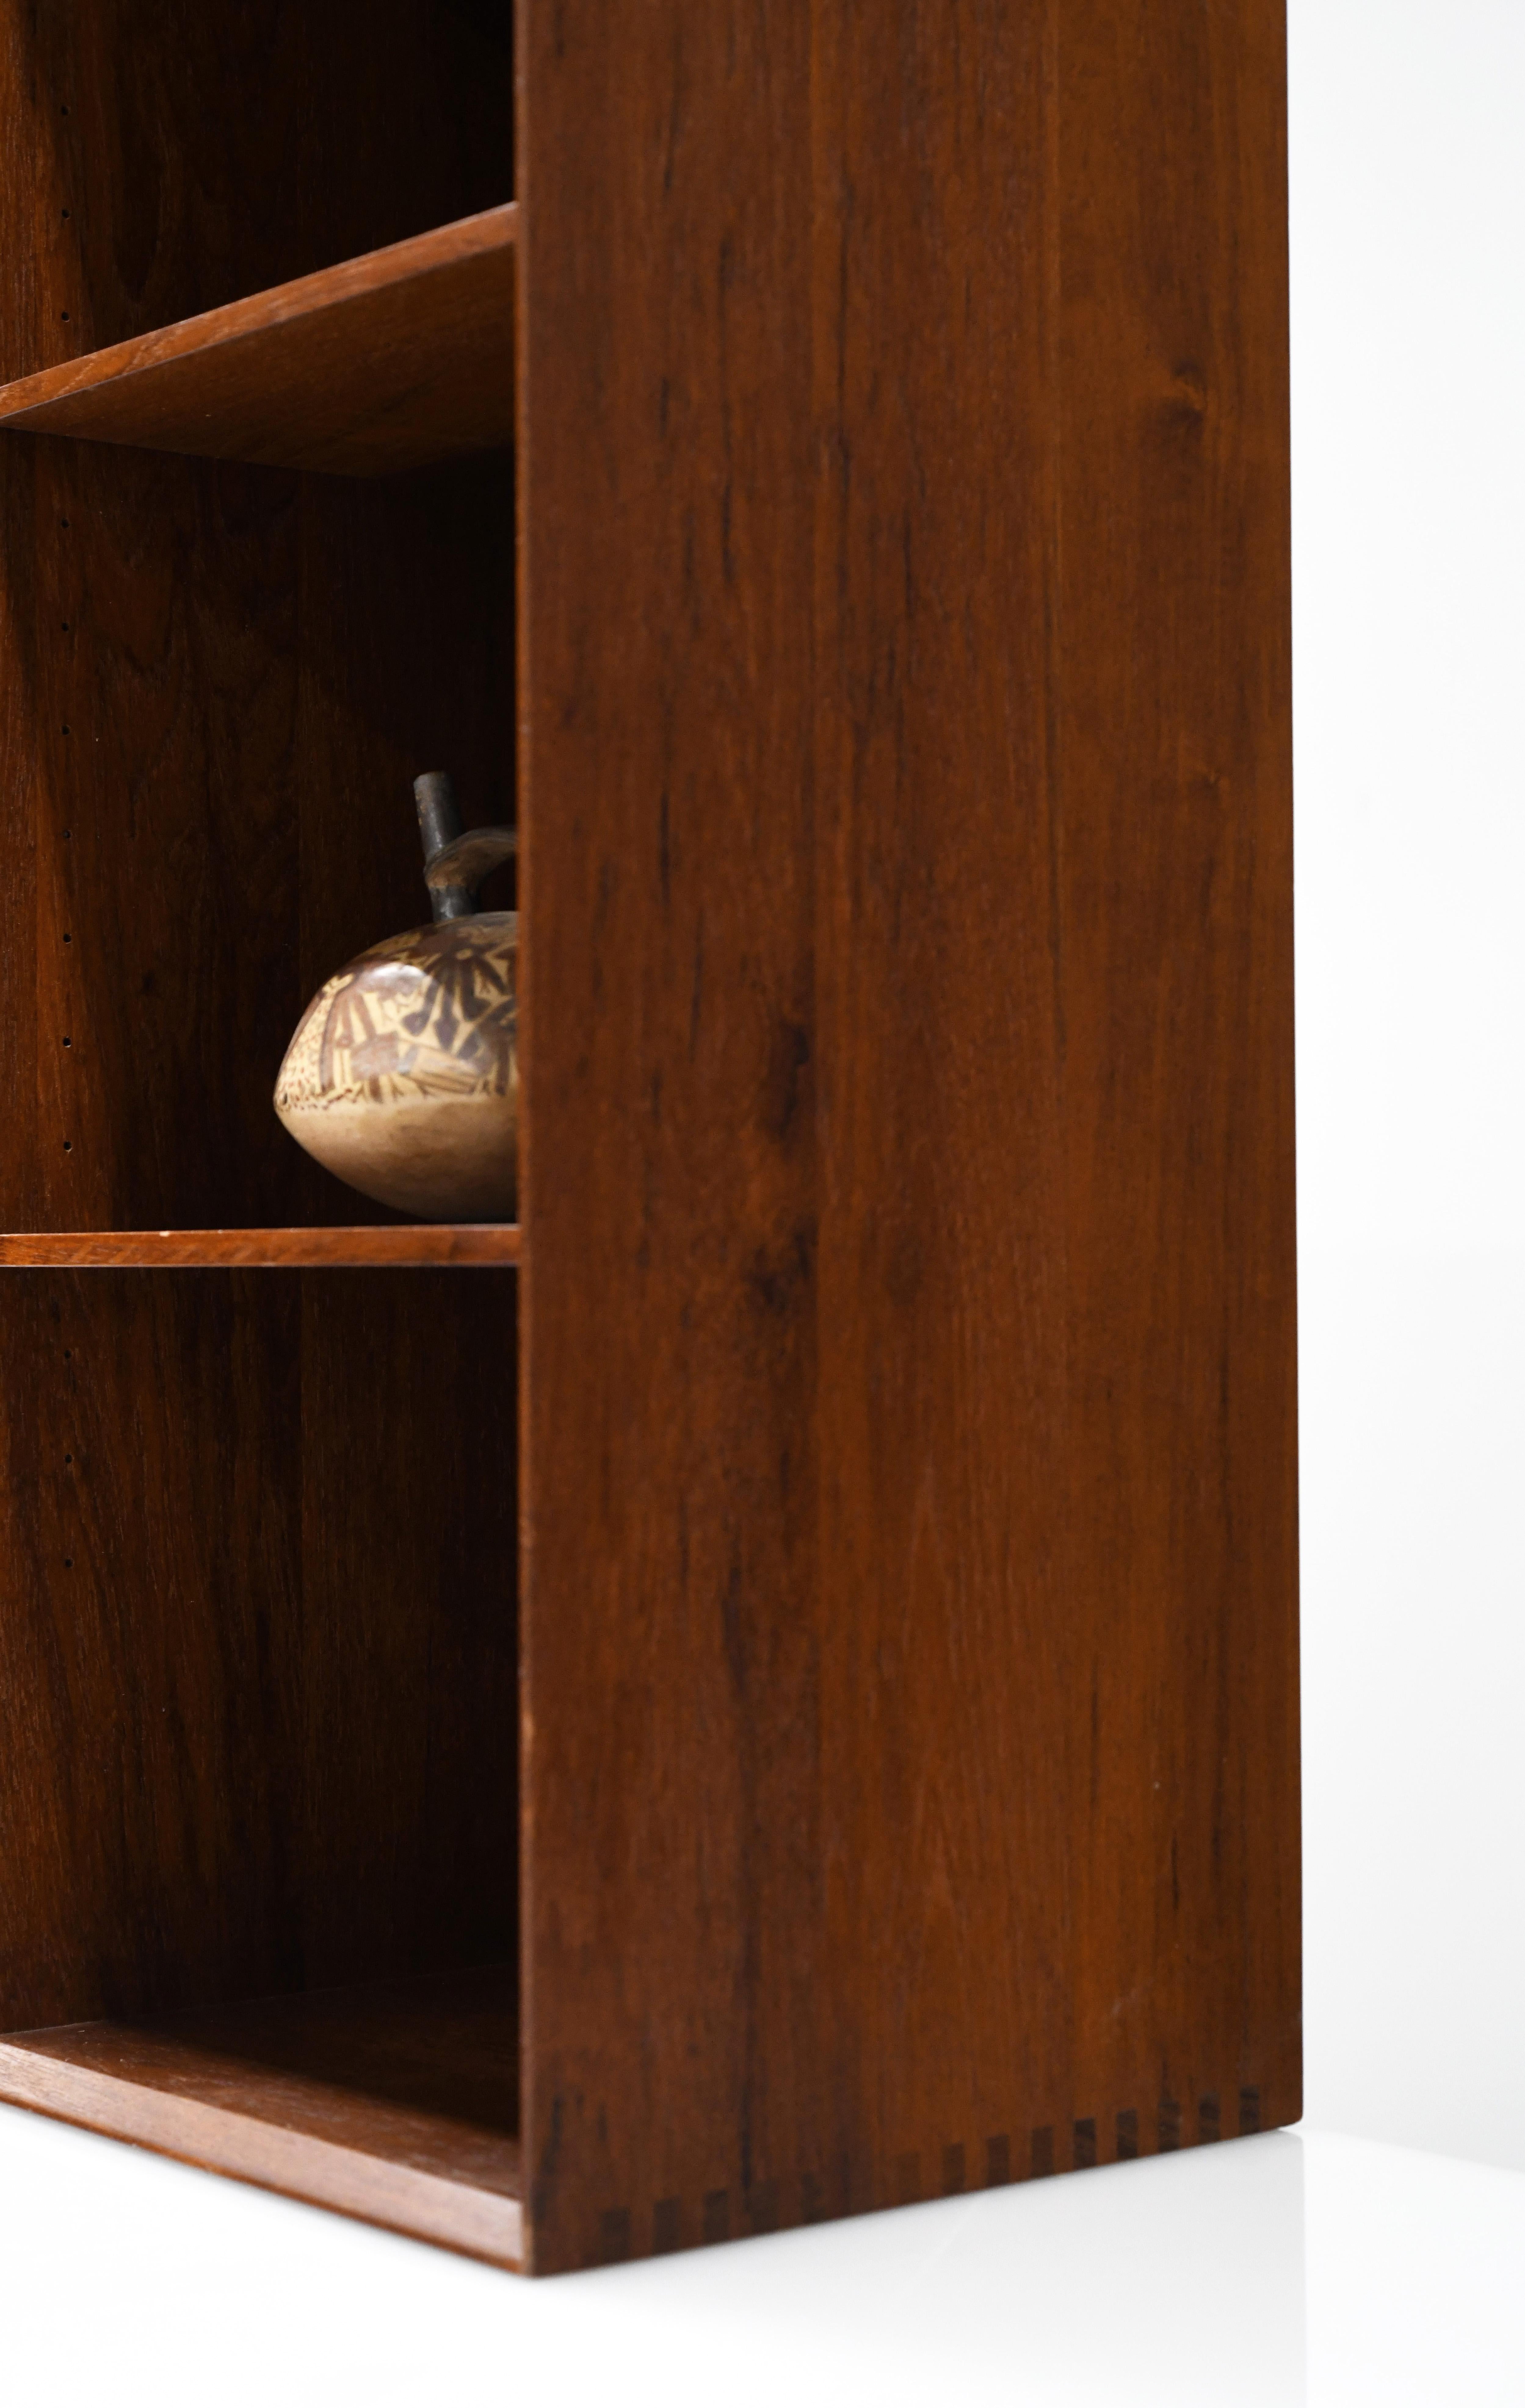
{"x": 398, "y": 2102}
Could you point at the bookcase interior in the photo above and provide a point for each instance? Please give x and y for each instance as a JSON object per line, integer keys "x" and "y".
{"x": 259, "y": 1563}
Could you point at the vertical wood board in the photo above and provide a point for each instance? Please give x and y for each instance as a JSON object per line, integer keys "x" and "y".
{"x": 909, "y": 1481}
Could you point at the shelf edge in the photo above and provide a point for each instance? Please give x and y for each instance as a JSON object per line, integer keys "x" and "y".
{"x": 350, "y": 279}
{"x": 429, "y": 1245}
{"x": 376, "y": 2190}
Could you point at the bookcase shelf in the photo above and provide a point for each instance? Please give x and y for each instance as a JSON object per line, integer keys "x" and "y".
{"x": 394, "y": 2102}
{"x": 394, "y": 361}
{"x": 473, "y": 1245}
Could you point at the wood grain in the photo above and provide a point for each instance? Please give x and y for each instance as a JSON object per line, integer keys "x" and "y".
{"x": 1174, "y": 901}
{"x": 410, "y": 1664}
{"x": 909, "y": 1487}
{"x": 152, "y": 1638}
{"x": 395, "y": 361}
{"x": 218, "y": 681}
{"x": 476, "y": 1245}
{"x": 395, "y": 2102}
{"x": 139, "y": 131}
{"x": 223, "y": 679}
{"x": 259, "y": 1667}
{"x": 257, "y": 1537}
{"x": 909, "y": 1625}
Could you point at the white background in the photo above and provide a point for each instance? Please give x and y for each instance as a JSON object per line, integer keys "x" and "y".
{"x": 1408, "y": 412}
{"x": 1291, "y": 2269}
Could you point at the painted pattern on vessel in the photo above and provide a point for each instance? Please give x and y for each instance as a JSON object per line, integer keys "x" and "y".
{"x": 424, "y": 1016}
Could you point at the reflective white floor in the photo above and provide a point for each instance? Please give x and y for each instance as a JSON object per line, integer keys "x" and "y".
{"x": 1295, "y": 2268}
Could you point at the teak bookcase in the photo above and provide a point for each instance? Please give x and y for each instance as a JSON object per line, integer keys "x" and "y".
{"x": 771, "y": 1688}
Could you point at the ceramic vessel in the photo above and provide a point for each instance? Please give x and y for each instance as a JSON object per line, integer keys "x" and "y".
{"x": 403, "y": 1078}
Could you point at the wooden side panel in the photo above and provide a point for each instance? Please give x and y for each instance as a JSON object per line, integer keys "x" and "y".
{"x": 945, "y": 1584}
{"x": 672, "y": 1844}
{"x": 1175, "y": 913}
{"x": 910, "y": 1629}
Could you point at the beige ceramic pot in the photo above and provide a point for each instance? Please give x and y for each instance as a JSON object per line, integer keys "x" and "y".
{"x": 402, "y": 1078}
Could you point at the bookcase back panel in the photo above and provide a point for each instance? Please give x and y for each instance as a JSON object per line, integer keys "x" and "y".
{"x": 911, "y": 1767}
{"x": 256, "y": 1634}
